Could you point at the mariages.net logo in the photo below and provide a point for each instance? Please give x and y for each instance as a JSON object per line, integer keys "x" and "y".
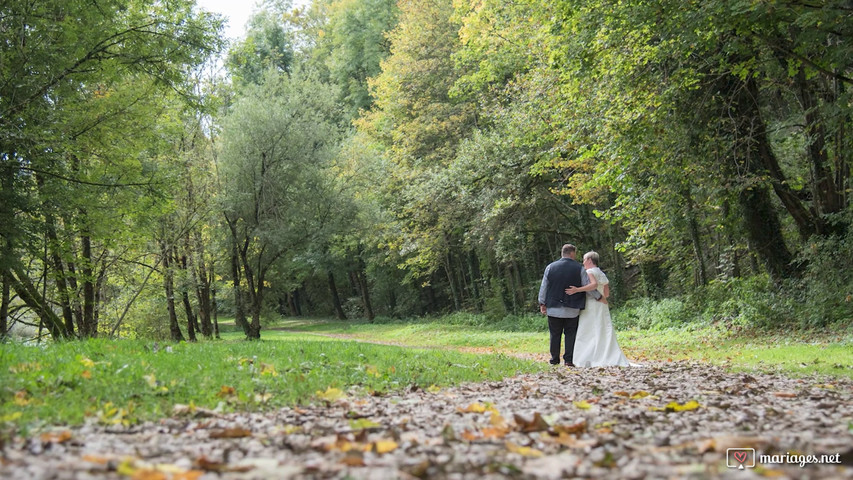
{"x": 742, "y": 458}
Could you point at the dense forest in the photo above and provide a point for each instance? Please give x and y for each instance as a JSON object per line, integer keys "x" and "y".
{"x": 393, "y": 159}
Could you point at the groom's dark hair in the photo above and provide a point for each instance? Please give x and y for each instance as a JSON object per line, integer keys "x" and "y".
{"x": 568, "y": 249}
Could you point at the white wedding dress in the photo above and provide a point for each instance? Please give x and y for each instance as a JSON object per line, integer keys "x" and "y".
{"x": 595, "y": 344}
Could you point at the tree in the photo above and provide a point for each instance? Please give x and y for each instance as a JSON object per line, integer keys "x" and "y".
{"x": 76, "y": 81}
{"x": 268, "y": 45}
{"x": 354, "y": 44}
{"x": 276, "y": 141}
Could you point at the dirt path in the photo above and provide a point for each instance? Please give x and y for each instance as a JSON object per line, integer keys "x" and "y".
{"x": 666, "y": 420}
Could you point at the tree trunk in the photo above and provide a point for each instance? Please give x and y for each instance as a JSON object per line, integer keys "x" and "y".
{"x": 509, "y": 281}
{"x": 695, "y": 238}
{"x": 256, "y": 293}
{"x": 203, "y": 288}
{"x": 336, "y": 299}
{"x": 499, "y": 282}
{"x": 168, "y": 283}
{"x": 257, "y": 305}
{"x": 750, "y": 126}
{"x": 764, "y": 230}
{"x": 4, "y": 307}
{"x": 826, "y": 196}
{"x": 429, "y": 293}
{"x": 843, "y": 151}
{"x": 59, "y": 274}
{"x": 764, "y": 233}
{"x": 214, "y": 309}
{"x": 76, "y": 306}
{"x": 28, "y": 293}
{"x": 365, "y": 294}
{"x": 476, "y": 277}
{"x": 297, "y": 301}
{"x": 188, "y": 284}
{"x": 519, "y": 284}
{"x": 191, "y": 321}
{"x": 88, "y": 329}
{"x": 451, "y": 282}
{"x": 239, "y": 303}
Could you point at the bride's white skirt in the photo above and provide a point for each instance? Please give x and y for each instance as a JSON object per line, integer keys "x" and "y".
{"x": 595, "y": 344}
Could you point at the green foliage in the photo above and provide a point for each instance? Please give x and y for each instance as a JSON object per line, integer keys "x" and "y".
{"x": 826, "y": 293}
{"x": 90, "y": 101}
{"x": 354, "y": 44}
{"x": 268, "y": 45}
{"x": 650, "y": 314}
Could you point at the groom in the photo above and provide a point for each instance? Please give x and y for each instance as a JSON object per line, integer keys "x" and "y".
{"x": 562, "y": 309}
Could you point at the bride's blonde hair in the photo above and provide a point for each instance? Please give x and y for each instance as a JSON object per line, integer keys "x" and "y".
{"x": 593, "y": 256}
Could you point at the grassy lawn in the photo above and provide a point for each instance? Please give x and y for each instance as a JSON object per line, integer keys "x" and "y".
{"x": 125, "y": 381}
{"x": 796, "y": 353}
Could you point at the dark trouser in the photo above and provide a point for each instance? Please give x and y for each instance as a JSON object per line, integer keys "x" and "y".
{"x": 556, "y": 327}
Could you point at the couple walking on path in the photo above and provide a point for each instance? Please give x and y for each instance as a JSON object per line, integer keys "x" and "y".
{"x": 574, "y": 297}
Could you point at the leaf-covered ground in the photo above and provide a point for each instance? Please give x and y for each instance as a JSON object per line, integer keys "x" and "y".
{"x": 663, "y": 420}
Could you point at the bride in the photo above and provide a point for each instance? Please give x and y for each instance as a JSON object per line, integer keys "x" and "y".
{"x": 595, "y": 344}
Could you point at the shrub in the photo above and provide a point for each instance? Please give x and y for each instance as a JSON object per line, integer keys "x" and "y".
{"x": 647, "y": 313}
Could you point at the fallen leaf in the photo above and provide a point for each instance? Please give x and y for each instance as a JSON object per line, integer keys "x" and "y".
{"x": 525, "y": 451}
{"x": 353, "y": 458}
{"x": 148, "y": 474}
{"x": 498, "y": 421}
{"x": 211, "y": 465}
{"x": 677, "y": 407}
{"x": 226, "y": 391}
{"x": 363, "y": 423}
{"x": 536, "y": 424}
{"x": 475, "y": 407}
{"x": 151, "y": 380}
{"x": 10, "y": 417}
{"x": 494, "y": 432}
{"x": 188, "y": 475}
{"x": 95, "y": 459}
{"x": 574, "y": 429}
{"x": 21, "y": 398}
{"x": 640, "y": 394}
{"x": 331, "y": 394}
{"x": 55, "y": 437}
{"x": 236, "y": 432}
{"x": 268, "y": 369}
{"x": 385, "y": 446}
{"x": 785, "y": 394}
{"x": 583, "y": 405}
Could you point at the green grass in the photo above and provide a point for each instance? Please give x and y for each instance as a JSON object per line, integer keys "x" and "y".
{"x": 795, "y": 353}
{"x": 128, "y": 381}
